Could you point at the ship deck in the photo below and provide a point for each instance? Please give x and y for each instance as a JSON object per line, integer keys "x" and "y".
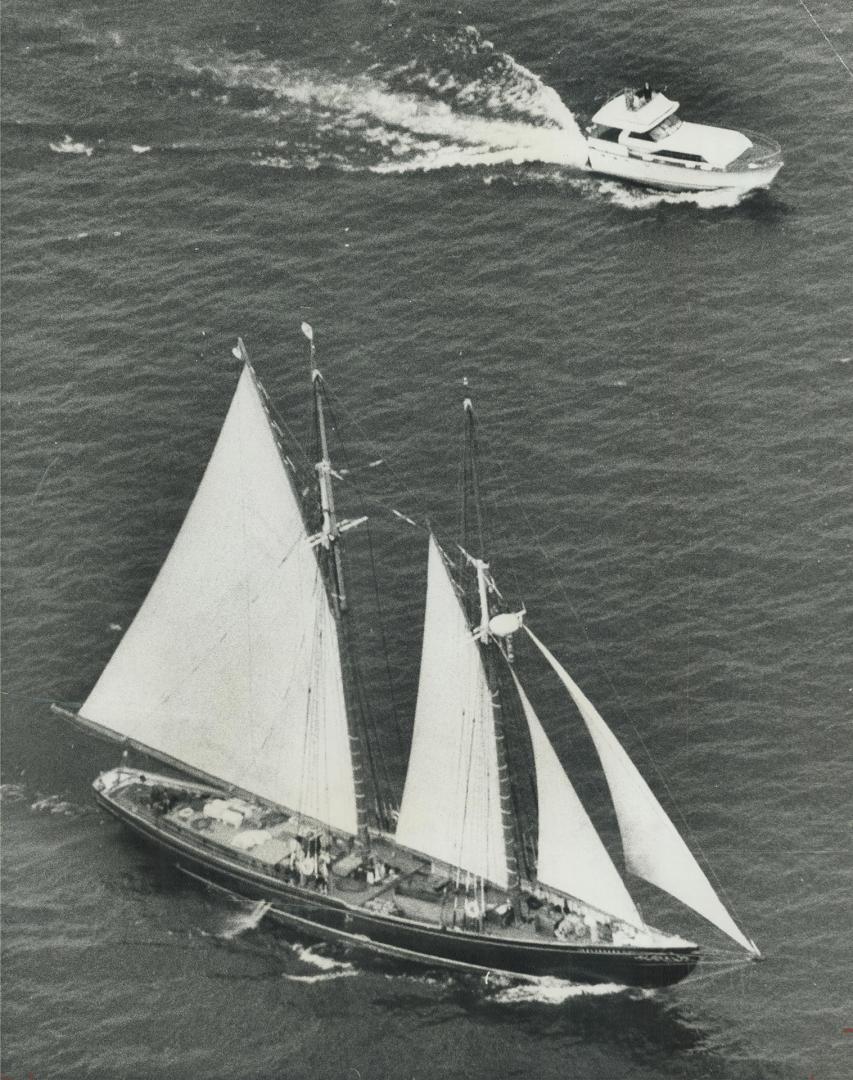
{"x": 411, "y": 888}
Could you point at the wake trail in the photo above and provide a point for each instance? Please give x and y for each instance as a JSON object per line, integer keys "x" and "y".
{"x": 552, "y": 991}
{"x": 404, "y": 119}
{"x": 327, "y": 968}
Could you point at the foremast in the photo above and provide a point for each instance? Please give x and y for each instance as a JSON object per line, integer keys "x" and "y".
{"x": 329, "y": 540}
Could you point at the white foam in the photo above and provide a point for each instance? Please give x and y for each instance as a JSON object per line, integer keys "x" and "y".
{"x": 323, "y": 963}
{"x": 245, "y": 920}
{"x": 551, "y": 991}
{"x": 13, "y": 792}
{"x": 69, "y": 146}
{"x": 329, "y": 976}
{"x": 54, "y": 804}
{"x": 638, "y": 198}
{"x": 137, "y": 149}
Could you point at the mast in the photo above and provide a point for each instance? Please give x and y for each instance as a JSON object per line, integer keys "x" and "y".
{"x": 329, "y": 538}
{"x": 509, "y": 811}
{"x": 331, "y": 531}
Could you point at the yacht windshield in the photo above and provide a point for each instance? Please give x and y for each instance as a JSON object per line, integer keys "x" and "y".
{"x": 665, "y": 127}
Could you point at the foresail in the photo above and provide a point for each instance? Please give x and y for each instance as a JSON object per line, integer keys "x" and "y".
{"x": 653, "y": 848}
{"x": 232, "y": 663}
{"x": 570, "y": 854}
{"x": 451, "y": 806}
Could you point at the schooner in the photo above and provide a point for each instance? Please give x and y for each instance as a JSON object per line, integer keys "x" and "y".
{"x": 239, "y": 674}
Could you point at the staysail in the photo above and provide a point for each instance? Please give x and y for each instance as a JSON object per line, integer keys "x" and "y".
{"x": 451, "y": 807}
{"x": 654, "y": 849}
{"x": 570, "y": 854}
{"x": 232, "y": 664}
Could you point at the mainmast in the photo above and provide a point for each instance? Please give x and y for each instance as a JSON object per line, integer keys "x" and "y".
{"x": 483, "y": 633}
{"x": 329, "y": 538}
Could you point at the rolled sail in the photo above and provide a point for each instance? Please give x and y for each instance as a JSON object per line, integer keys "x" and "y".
{"x": 451, "y": 807}
{"x": 654, "y": 849}
{"x": 232, "y": 663}
{"x": 570, "y": 855}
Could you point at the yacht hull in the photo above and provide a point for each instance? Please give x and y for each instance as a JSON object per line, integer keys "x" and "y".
{"x": 319, "y": 916}
{"x": 685, "y": 177}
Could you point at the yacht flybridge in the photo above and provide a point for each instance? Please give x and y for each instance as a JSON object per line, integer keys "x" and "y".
{"x": 639, "y": 136}
{"x": 240, "y": 671}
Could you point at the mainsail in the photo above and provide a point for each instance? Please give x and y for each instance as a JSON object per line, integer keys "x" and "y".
{"x": 232, "y": 665}
{"x": 451, "y": 807}
{"x": 653, "y": 848}
{"x": 570, "y": 854}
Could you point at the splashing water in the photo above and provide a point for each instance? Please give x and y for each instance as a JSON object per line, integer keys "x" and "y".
{"x": 41, "y": 804}
{"x": 550, "y": 991}
{"x": 638, "y": 198}
{"x": 244, "y": 920}
{"x": 328, "y": 968}
{"x": 319, "y": 961}
{"x": 69, "y": 146}
{"x": 328, "y": 976}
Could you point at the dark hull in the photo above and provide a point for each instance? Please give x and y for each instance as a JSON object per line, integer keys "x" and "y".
{"x": 329, "y": 918}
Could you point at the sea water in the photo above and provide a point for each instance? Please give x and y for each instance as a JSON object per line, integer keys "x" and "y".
{"x": 663, "y": 387}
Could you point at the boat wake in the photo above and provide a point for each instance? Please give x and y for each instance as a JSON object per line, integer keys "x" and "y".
{"x": 548, "y": 991}
{"x": 41, "y": 804}
{"x": 639, "y": 198}
{"x": 327, "y": 968}
{"x": 467, "y": 105}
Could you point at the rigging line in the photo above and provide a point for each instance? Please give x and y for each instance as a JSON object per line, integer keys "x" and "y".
{"x": 462, "y": 526}
{"x": 352, "y": 419}
{"x": 704, "y": 976}
{"x": 289, "y": 432}
{"x": 460, "y": 846}
{"x": 388, "y": 795}
{"x": 309, "y": 787}
{"x": 382, "y": 794}
{"x": 41, "y": 700}
{"x": 508, "y": 494}
{"x": 716, "y": 950}
{"x": 659, "y": 773}
{"x": 599, "y": 783}
{"x": 247, "y": 590}
{"x": 662, "y": 778}
{"x": 395, "y": 709}
{"x": 376, "y": 593}
{"x": 386, "y": 457}
{"x": 825, "y": 36}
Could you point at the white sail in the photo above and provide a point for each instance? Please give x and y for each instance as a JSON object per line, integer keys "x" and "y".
{"x": 232, "y": 663}
{"x": 451, "y": 807}
{"x": 570, "y": 854}
{"x": 653, "y": 848}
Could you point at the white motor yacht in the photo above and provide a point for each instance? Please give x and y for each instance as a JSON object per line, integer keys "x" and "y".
{"x": 638, "y": 136}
